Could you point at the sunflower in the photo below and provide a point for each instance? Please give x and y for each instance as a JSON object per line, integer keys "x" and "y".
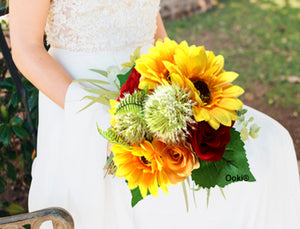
{"x": 141, "y": 166}
{"x": 151, "y": 66}
{"x": 202, "y": 73}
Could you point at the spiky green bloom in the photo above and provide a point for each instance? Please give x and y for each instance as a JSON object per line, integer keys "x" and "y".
{"x": 131, "y": 127}
{"x": 130, "y": 124}
{"x": 168, "y": 111}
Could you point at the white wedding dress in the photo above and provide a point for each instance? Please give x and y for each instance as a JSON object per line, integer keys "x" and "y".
{"x": 68, "y": 170}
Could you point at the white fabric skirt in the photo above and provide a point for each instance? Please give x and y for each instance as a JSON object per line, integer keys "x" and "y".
{"x": 68, "y": 170}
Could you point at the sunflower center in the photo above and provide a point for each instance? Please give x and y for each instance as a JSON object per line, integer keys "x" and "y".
{"x": 145, "y": 161}
{"x": 168, "y": 78}
{"x": 203, "y": 90}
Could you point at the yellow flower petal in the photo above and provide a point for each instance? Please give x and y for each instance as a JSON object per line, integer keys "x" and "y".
{"x": 230, "y": 104}
{"x": 225, "y": 78}
{"x": 214, "y": 123}
{"x": 221, "y": 116}
{"x": 232, "y": 91}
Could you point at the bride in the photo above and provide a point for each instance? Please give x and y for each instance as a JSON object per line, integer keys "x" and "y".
{"x": 67, "y": 171}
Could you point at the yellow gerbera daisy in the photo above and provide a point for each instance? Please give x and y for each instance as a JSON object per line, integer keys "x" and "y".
{"x": 141, "y": 166}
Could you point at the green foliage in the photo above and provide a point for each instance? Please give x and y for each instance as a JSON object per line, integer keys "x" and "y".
{"x": 16, "y": 145}
{"x": 123, "y": 77}
{"x": 233, "y": 167}
{"x": 136, "y": 196}
{"x": 136, "y": 55}
{"x": 132, "y": 103}
{"x": 111, "y": 136}
{"x": 245, "y": 131}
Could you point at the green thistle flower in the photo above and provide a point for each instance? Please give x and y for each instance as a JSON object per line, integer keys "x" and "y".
{"x": 167, "y": 112}
{"x": 131, "y": 127}
{"x": 130, "y": 124}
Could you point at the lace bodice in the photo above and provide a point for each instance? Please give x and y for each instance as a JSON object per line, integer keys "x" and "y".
{"x": 101, "y": 25}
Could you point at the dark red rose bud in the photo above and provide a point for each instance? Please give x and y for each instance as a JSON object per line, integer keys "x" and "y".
{"x": 131, "y": 84}
{"x": 208, "y": 143}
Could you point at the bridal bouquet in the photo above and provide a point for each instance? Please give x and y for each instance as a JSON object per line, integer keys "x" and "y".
{"x": 173, "y": 121}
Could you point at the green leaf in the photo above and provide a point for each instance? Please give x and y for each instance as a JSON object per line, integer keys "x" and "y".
{"x": 91, "y": 81}
{"x": 15, "y": 208}
{"x": 136, "y": 55}
{"x": 2, "y": 184}
{"x": 136, "y": 196}
{"x": 233, "y": 167}
{"x": 4, "y": 112}
{"x": 11, "y": 171}
{"x": 7, "y": 83}
{"x": 101, "y": 72}
{"x": 207, "y": 196}
{"x": 185, "y": 196}
{"x": 21, "y": 132}
{"x": 16, "y": 121}
{"x": 254, "y": 129}
{"x": 123, "y": 77}
{"x": 132, "y": 103}
{"x": 5, "y": 134}
{"x": 111, "y": 136}
{"x": 103, "y": 93}
{"x": 15, "y": 99}
{"x": 109, "y": 160}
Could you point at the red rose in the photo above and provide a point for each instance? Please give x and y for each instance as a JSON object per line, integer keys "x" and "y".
{"x": 131, "y": 84}
{"x": 208, "y": 143}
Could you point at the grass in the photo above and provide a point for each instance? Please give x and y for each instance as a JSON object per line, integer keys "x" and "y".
{"x": 258, "y": 39}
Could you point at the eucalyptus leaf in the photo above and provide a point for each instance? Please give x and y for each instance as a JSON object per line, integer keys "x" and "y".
{"x": 254, "y": 129}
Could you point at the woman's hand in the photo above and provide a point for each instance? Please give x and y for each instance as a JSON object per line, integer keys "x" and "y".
{"x": 27, "y": 20}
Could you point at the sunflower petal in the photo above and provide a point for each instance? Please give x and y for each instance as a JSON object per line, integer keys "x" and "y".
{"x": 225, "y": 78}
{"x": 221, "y": 115}
{"x": 232, "y": 91}
{"x": 230, "y": 104}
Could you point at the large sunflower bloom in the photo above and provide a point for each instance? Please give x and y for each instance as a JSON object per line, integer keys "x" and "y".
{"x": 141, "y": 166}
{"x": 202, "y": 73}
{"x": 151, "y": 66}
